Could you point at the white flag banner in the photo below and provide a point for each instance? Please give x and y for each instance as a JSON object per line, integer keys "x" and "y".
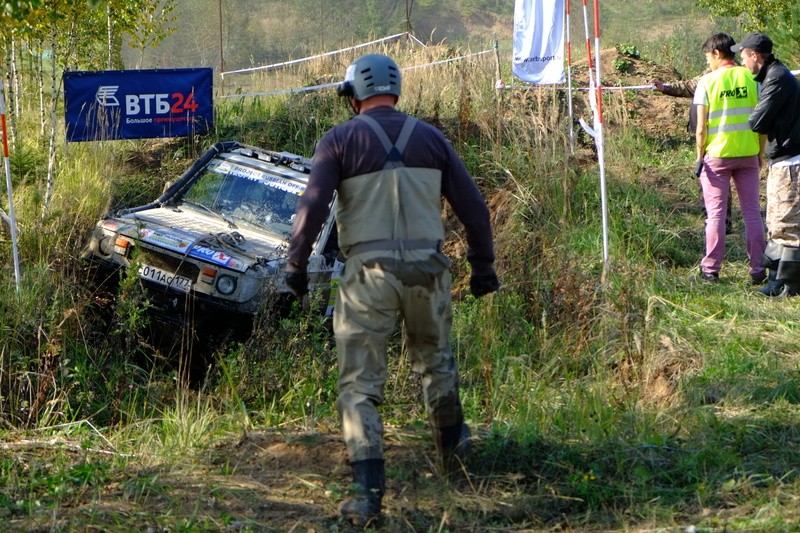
{"x": 539, "y": 41}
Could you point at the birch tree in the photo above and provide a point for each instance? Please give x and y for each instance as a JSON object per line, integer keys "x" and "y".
{"x": 76, "y": 34}
{"x": 152, "y": 24}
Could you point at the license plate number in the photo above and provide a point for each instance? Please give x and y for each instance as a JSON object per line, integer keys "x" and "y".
{"x": 167, "y": 279}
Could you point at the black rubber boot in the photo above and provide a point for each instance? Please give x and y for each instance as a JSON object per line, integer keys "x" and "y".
{"x": 789, "y": 276}
{"x": 773, "y": 286}
{"x": 770, "y": 260}
{"x": 453, "y": 444}
{"x": 364, "y": 507}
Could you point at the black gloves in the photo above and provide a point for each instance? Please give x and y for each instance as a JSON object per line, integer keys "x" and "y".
{"x": 298, "y": 282}
{"x": 481, "y": 284}
{"x": 698, "y": 167}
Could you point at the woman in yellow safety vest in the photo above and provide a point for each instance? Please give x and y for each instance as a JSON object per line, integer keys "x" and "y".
{"x": 727, "y": 149}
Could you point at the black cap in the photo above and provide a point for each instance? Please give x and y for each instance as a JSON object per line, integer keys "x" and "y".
{"x": 757, "y": 42}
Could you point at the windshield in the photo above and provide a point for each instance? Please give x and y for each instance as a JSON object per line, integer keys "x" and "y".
{"x": 242, "y": 194}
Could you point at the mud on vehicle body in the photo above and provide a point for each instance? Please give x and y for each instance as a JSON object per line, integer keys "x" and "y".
{"x": 216, "y": 240}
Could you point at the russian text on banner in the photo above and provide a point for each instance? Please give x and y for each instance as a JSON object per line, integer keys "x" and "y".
{"x": 539, "y": 41}
{"x": 138, "y": 104}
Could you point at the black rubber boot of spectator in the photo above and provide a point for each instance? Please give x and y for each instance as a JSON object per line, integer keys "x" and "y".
{"x": 789, "y": 276}
{"x": 773, "y": 286}
{"x": 770, "y": 260}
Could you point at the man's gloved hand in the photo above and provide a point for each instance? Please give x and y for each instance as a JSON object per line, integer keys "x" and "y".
{"x": 481, "y": 284}
{"x": 298, "y": 282}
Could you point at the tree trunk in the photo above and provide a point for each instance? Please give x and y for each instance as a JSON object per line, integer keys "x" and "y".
{"x": 12, "y": 92}
{"x": 51, "y": 160}
{"x": 40, "y": 81}
{"x": 55, "y": 88}
{"x": 110, "y": 37}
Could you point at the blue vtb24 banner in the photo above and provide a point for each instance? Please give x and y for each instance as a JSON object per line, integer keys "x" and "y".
{"x": 137, "y": 104}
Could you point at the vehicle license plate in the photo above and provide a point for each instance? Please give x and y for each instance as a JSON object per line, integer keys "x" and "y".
{"x": 165, "y": 278}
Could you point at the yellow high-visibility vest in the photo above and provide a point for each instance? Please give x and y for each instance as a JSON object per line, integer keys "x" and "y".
{"x": 732, "y": 96}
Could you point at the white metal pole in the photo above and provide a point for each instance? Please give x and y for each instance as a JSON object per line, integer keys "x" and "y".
{"x": 12, "y": 220}
{"x": 569, "y": 79}
{"x": 601, "y": 139}
{"x": 589, "y": 55}
{"x": 596, "y": 131}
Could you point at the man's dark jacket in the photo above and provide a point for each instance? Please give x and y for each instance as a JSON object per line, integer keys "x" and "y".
{"x": 777, "y": 113}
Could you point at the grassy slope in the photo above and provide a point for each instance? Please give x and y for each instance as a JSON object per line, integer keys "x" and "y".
{"x": 645, "y": 402}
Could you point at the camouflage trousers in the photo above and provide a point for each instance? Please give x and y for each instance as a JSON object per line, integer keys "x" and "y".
{"x": 783, "y": 204}
{"x": 374, "y": 289}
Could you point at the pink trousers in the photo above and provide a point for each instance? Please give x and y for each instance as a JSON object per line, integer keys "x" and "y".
{"x": 716, "y": 182}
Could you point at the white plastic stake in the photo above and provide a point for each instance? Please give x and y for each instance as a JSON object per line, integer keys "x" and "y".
{"x": 11, "y": 218}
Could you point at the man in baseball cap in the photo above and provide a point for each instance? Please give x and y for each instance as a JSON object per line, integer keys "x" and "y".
{"x": 757, "y": 42}
{"x": 777, "y": 117}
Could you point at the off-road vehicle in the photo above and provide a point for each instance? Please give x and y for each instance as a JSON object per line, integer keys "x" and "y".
{"x": 215, "y": 241}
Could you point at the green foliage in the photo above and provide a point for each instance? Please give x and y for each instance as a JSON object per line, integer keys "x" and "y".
{"x": 80, "y": 34}
{"x": 629, "y": 50}
{"x": 622, "y": 64}
{"x": 754, "y": 15}
{"x": 780, "y": 19}
{"x": 18, "y": 9}
{"x": 28, "y": 486}
{"x": 681, "y": 49}
{"x": 785, "y": 33}
{"x": 185, "y": 424}
{"x": 299, "y": 379}
{"x": 279, "y": 122}
{"x": 150, "y": 24}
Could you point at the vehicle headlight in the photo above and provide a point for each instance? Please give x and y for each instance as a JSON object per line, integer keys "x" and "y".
{"x": 226, "y": 284}
{"x": 106, "y": 245}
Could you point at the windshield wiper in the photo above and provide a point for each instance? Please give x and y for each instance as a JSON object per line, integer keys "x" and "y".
{"x": 216, "y": 214}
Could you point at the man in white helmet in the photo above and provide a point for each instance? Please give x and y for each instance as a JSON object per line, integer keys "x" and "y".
{"x": 390, "y": 171}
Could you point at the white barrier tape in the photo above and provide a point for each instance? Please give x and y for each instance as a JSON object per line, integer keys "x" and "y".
{"x": 531, "y": 87}
{"x": 413, "y": 38}
{"x": 501, "y": 85}
{"x": 442, "y": 61}
{"x": 295, "y": 61}
{"x": 628, "y": 88}
{"x": 326, "y": 85}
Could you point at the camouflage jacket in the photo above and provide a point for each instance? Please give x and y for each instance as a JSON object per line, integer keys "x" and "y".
{"x": 682, "y": 88}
